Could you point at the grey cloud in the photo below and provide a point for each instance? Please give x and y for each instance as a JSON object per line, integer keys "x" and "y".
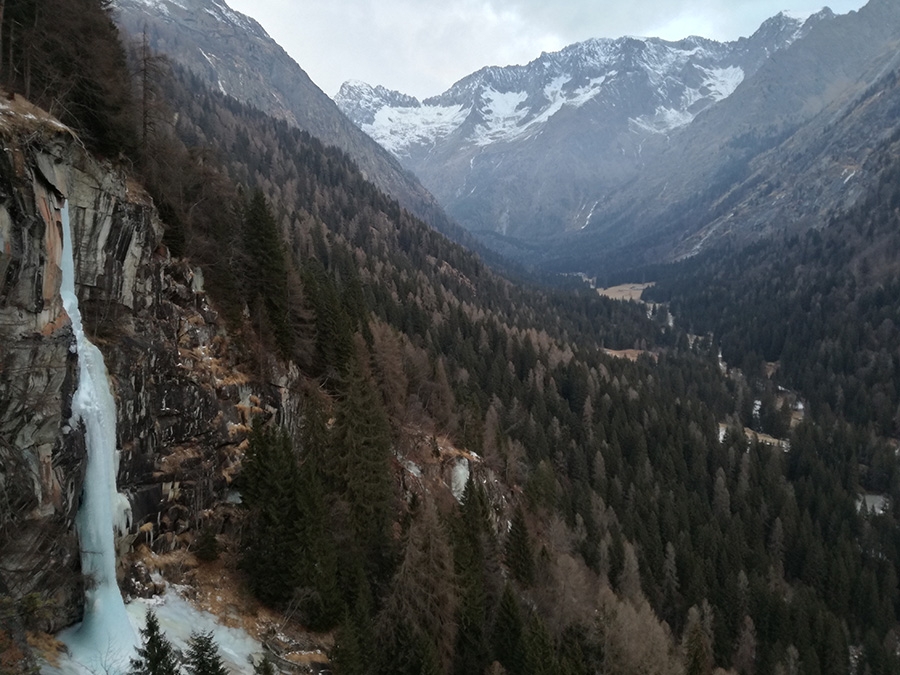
{"x": 422, "y": 46}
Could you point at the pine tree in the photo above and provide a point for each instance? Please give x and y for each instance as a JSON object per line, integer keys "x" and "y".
{"x": 417, "y": 627}
{"x": 203, "y": 656}
{"x": 540, "y": 656}
{"x": 361, "y": 441}
{"x": 207, "y": 545}
{"x": 507, "y": 633}
{"x": 349, "y": 656}
{"x": 334, "y": 336}
{"x": 264, "y": 666}
{"x": 155, "y": 656}
{"x": 470, "y": 530}
{"x": 269, "y": 489}
{"x": 266, "y": 278}
{"x": 697, "y": 651}
{"x": 316, "y": 555}
{"x": 519, "y": 557}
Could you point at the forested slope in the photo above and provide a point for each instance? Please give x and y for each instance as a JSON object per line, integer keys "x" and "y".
{"x": 622, "y": 474}
{"x": 604, "y": 526}
{"x": 823, "y": 304}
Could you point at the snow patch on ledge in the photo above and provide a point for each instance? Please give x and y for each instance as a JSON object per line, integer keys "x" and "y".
{"x": 663, "y": 120}
{"x": 459, "y": 476}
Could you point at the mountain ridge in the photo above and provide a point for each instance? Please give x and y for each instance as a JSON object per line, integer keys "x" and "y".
{"x": 629, "y": 92}
{"x": 775, "y": 120}
{"x": 639, "y": 182}
{"x": 234, "y": 54}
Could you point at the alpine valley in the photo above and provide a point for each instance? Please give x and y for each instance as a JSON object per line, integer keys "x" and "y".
{"x": 266, "y": 407}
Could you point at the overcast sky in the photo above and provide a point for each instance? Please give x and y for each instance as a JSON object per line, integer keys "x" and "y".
{"x": 421, "y": 47}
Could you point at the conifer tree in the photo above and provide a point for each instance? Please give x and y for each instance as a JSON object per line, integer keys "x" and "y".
{"x": 540, "y": 656}
{"x": 207, "y": 545}
{"x": 155, "y": 656}
{"x": 269, "y": 490}
{"x": 362, "y": 461}
{"x": 519, "y": 557}
{"x": 697, "y": 651}
{"x": 203, "y": 656}
{"x": 347, "y": 657}
{"x": 354, "y": 641}
{"x": 472, "y": 653}
{"x": 264, "y": 666}
{"x": 417, "y": 627}
{"x": 267, "y": 275}
{"x": 315, "y": 437}
{"x": 507, "y": 633}
{"x": 316, "y": 557}
{"x": 333, "y": 340}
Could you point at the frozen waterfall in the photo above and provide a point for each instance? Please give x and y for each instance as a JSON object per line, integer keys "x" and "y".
{"x": 105, "y": 640}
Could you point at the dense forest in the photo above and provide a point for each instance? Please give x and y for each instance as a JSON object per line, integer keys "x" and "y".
{"x": 821, "y": 305}
{"x": 607, "y": 527}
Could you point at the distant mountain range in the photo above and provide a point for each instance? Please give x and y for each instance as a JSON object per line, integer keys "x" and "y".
{"x": 606, "y": 154}
{"x": 635, "y": 143}
{"x": 528, "y": 150}
{"x": 639, "y": 83}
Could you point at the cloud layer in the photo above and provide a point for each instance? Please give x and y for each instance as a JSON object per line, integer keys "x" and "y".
{"x": 421, "y": 47}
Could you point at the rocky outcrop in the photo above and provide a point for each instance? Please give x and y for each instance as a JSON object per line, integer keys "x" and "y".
{"x": 183, "y": 405}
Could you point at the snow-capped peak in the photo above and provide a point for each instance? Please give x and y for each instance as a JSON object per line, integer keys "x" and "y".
{"x": 362, "y": 102}
{"x": 646, "y": 84}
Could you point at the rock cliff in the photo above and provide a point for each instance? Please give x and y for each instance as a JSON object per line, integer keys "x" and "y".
{"x": 183, "y": 402}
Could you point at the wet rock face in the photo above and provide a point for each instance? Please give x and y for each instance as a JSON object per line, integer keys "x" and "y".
{"x": 183, "y": 409}
{"x": 41, "y": 459}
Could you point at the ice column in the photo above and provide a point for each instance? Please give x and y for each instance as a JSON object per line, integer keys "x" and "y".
{"x": 104, "y": 641}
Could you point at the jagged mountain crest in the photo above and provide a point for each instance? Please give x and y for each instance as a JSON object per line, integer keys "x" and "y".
{"x": 625, "y": 139}
{"x": 661, "y": 84}
{"x": 363, "y": 101}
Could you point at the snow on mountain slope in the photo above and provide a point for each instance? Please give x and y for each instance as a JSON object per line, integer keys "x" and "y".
{"x": 664, "y": 85}
{"x": 396, "y": 120}
{"x": 396, "y": 128}
{"x": 528, "y": 151}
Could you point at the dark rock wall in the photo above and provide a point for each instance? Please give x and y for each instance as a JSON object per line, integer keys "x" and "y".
{"x": 183, "y": 404}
